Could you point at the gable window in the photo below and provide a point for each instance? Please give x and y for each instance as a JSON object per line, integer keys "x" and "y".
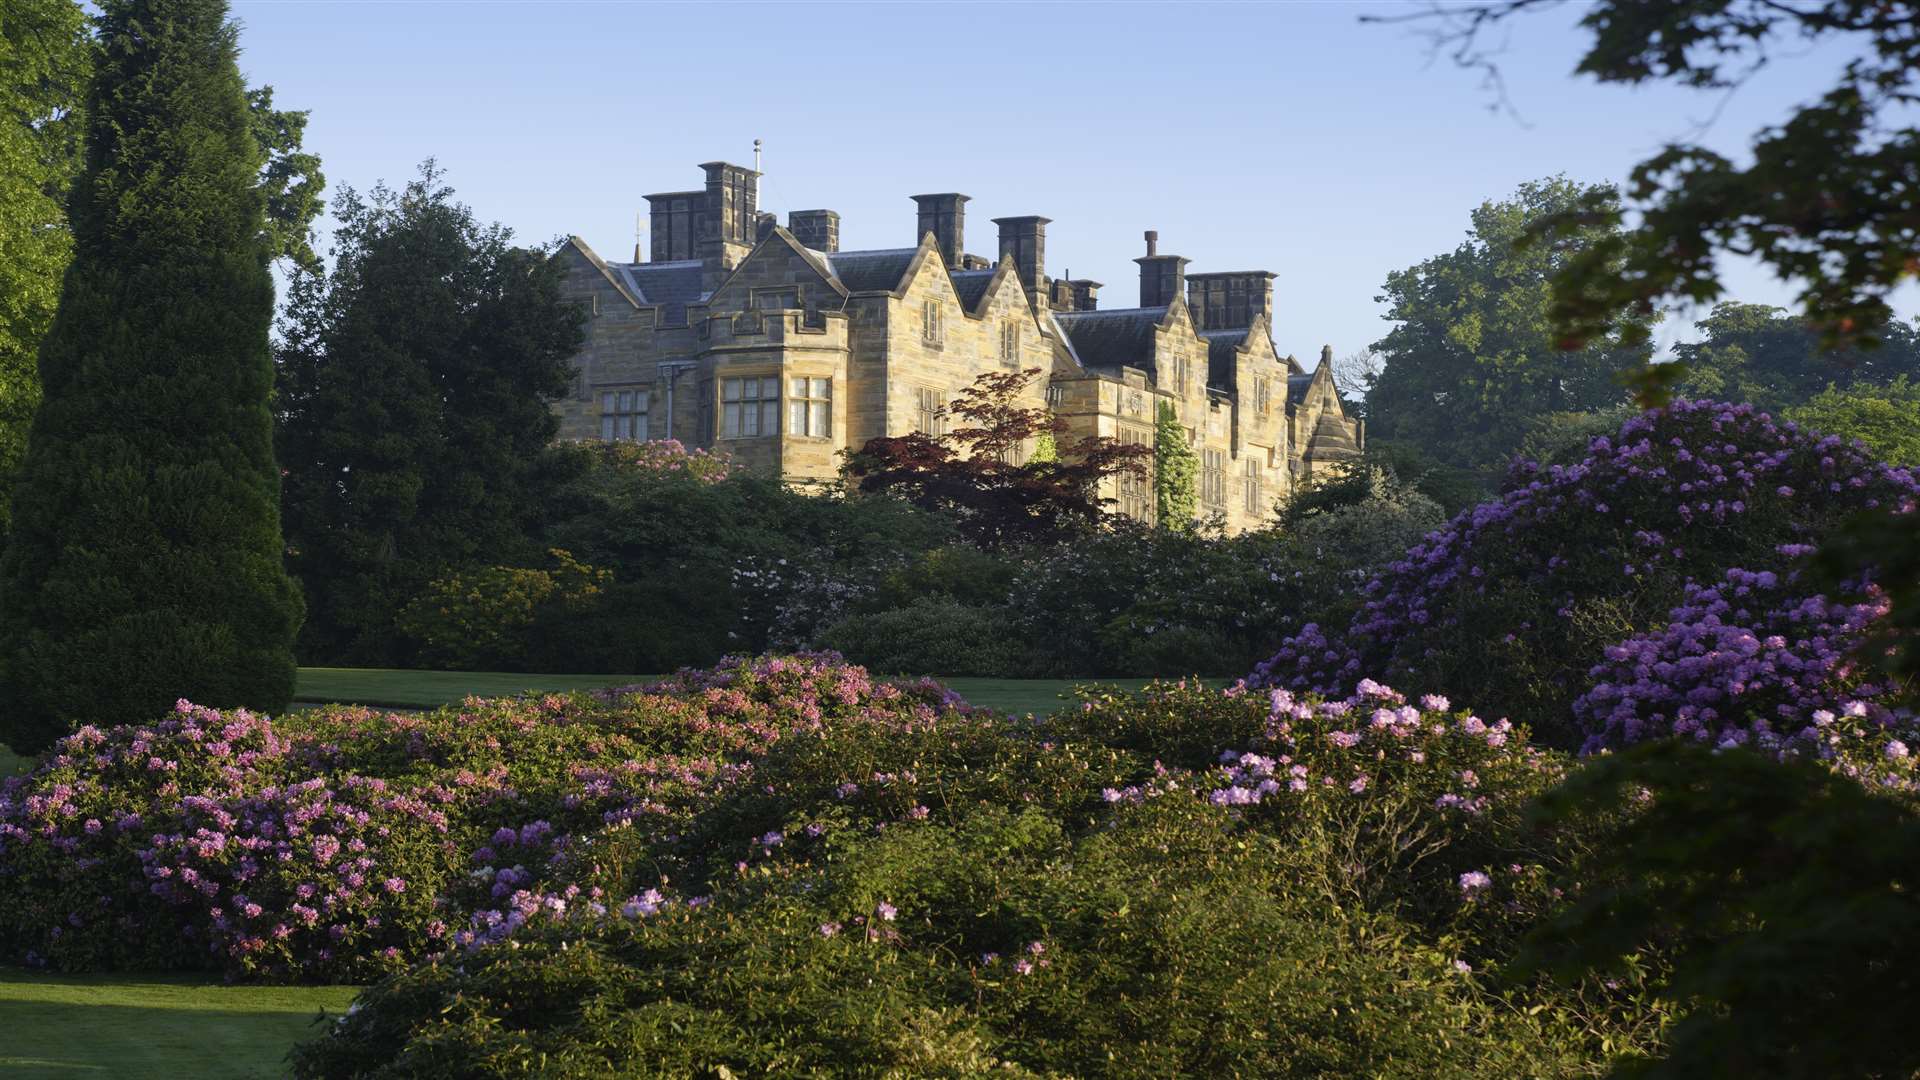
{"x": 749, "y": 407}
{"x": 809, "y": 406}
{"x": 1010, "y": 344}
{"x": 1180, "y": 373}
{"x": 1213, "y": 477}
{"x": 1263, "y": 394}
{"x": 623, "y": 415}
{"x": 930, "y": 329}
{"x": 1251, "y": 483}
{"x": 931, "y": 419}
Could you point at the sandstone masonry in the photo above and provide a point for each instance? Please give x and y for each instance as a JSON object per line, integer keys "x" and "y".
{"x": 773, "y": 345}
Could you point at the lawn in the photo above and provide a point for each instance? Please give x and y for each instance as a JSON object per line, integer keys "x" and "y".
{"x": 153, "y": 1026}
{"x": 429, "y": 689}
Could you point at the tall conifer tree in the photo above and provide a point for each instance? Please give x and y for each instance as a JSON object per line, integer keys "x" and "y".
{"x": 145, "y": 564}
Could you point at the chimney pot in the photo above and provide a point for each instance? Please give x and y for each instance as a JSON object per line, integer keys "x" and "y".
{"x": 1153, "y": 242}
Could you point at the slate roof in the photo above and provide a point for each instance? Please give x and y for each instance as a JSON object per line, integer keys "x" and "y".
{"x": 672, "y": 285}
{"x": 871, "y": 271}
{"x": 1221, "y": 345}
{"x": 1119, "y": 336}
{"x": 971, "y": 285}
{"x": 1297, "y": 388}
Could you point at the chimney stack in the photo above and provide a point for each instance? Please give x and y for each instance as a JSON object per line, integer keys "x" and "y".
{"x": 1162, "y": 277}
{"x": 1024, "y": 240}
{"x": 1086, "y": 294}
{"x": 816, "y": 229}
{"x": 1230, "y": 300}
{"x": 945, "y": 216}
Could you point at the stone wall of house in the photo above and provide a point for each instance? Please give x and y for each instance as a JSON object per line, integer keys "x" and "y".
{"x": 887, "y": 358}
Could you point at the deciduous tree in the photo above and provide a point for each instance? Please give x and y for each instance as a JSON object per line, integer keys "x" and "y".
{"x": 44, "y": 60}
{"x": 415, "y": 382}
{"x": 1474, "y": 355}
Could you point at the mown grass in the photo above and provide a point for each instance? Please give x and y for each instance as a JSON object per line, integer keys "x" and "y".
{"x": 61, "y": 1026}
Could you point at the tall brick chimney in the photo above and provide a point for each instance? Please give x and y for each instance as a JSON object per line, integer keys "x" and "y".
{"x": 945, "y": 216}
{"x": 1024, "y": 239}
{"x": 1162, "y": 277}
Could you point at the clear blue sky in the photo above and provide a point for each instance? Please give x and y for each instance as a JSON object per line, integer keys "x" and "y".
{"x": 1283, "y": 136}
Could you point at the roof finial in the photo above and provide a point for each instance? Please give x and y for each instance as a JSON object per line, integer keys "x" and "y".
{"x": 639, "y": 228}
{"x": 1326, "y": 354}
{"x": 756, "y": 155}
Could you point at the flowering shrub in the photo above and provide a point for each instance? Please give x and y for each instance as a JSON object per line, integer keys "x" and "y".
{"x": 663, "y": 457}
{"x": 1753, "y": 661}
{"x": 344, "y": 843}
{"x": 962, "y": 894}
{"x": 1516, "y": 593}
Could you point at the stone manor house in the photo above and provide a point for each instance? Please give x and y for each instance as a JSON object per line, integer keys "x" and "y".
{"x": 775, "y": 346}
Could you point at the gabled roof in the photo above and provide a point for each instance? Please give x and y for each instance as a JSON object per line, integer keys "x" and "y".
{"x": 1221, "y": 347}
{"x": 620, "y": 285}
{"x": 779, "y": 237}
{"x": 1113, "y": 338}
{"x": 971, "y": 286}
{"x": 671, "y": 285}
{"x": 1297, "y": 385}
{"x": 883, "y": 270}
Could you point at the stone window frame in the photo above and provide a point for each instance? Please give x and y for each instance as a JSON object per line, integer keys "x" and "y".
{"x": 932, "y": 323}
{"x": 930, "y": 418}
{"x": 810, "y": 406}
{"x": 1252, "y": 482}
{"x": 1135, "y": 491}
{"x": 1263, "y": 394}
{"x": 624, "y": 408}
{"x": 763, "y": 406}
{"x": 1010, "y": 343}
{"x": 1213, "y": 477}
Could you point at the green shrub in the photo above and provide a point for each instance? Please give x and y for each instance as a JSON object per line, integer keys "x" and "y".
{"x": 932, "y": 636}
{"x": 479, "y": 620}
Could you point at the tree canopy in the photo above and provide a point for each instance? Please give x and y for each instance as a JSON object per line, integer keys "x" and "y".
{"x": 44, "y": 61}
{"x": 1830, "y": 198}
{"x": 1762, "y": 354}
{"x": 1474, "y": 354}
{"x": 414, "y": 390}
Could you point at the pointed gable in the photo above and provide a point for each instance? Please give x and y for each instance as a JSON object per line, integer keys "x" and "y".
{"x": 778, "y": 261}
{"x": 578, "y": 250}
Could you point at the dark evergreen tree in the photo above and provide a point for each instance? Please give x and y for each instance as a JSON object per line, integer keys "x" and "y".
{"x": 145, "y": 564}
{"x": 415, "y": 382}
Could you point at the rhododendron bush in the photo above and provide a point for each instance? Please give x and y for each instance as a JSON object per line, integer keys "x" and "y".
{"x": 1616, "y": 597}
{"x": 1179, "y": 880}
